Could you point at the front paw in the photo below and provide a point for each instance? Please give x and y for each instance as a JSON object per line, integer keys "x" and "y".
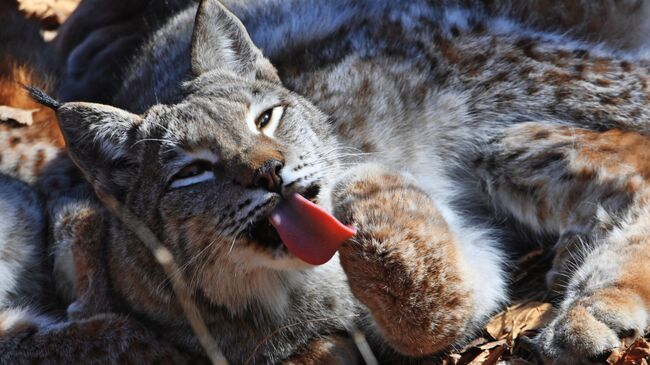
{"x": 368, "y": 190}
{"x": 403, "y": 262}
{"x": 587, "y": 330}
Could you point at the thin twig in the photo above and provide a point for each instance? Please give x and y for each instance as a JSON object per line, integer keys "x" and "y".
{"x": 166, "y": 260}
{"x": 362, "y": 345}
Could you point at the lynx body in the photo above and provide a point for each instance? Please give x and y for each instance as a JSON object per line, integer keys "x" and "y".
{"x": 424, "y": 124}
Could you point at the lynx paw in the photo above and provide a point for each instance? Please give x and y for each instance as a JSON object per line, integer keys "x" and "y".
{"x": 586, "y": 331}
{"x": 369, "y": 183}
{"x": 403, "y": 262}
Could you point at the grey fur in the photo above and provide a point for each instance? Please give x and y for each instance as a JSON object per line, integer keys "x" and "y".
{"x": 449, "y": 95}
{"x": 22, "y": 256}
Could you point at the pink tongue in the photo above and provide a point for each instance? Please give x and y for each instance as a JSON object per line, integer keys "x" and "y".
{"x": 308, "y": 231}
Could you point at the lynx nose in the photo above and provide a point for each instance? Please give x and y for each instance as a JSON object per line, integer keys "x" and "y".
{"x": 268, "y": 176}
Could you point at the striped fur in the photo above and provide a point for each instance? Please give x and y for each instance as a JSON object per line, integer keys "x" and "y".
{"x": 423, "y": 123}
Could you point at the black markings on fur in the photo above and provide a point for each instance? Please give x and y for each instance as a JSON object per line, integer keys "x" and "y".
{"x": 547, "y": 160}
{"x": 13, "y": 124}
{"x": 302, "y": 166}
{"x": 514, "y": 155}
{"x": 254, "y": 211}
{"x": 247, "y": 216}
{"x": 581, "y": 53}
{"x": 244, "y": 204}
{"x": 479, "y": 27}
{"x": 294, "y": 182}
{"x": 566, "y": 176}
{"x": 527, "y": 46}
{"x": 543, "y": 134}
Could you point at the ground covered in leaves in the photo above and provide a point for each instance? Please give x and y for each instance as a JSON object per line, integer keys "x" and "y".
{"x": 507, "y": 339}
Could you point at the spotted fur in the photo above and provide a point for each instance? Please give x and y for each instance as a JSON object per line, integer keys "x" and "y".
{"x": 25, "y": 151}
{"x": 422, "y": 123}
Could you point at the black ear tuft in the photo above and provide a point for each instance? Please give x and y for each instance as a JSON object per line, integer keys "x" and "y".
{"x": 42, "y": 97}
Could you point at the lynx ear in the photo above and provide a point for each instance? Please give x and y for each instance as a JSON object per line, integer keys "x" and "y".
{"x": 97, "y": 138}
{"x": 220, "y": 42}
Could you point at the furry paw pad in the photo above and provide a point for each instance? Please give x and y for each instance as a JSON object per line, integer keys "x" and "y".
{"x": 588, "y": 330}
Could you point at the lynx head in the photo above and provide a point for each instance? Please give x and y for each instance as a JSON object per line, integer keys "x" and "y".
{"x": 204, "y": 174}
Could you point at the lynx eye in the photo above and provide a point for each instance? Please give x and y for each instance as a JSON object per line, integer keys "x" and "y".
{"x": 194, "y": 173}
{"x": 268, "y": 121}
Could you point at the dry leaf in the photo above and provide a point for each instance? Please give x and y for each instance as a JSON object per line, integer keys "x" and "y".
{"x": 637, "y": 354}
{"x": 614, "y": 357}
{"x": 493, "y": 344}
{"x": 495, "y": 355}
{"x": 21, "y": 116}
{"x": 480, "y": 358}
{"x": 475, "y": 343}
{"x": 518, "y": 318}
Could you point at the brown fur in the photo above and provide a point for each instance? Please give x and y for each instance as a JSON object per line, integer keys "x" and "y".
{"x": 44, "y": 127}
{"x": 23, "y": 56}
{"x": 453, "y": 96}
{"x": 335, "y": 350}
{"x": 400, "y": 231}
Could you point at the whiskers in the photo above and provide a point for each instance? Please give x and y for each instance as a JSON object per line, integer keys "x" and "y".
{"x": 226, "y": 237}
{"x": 161, "y": 140}
{"x": 320, "y": 163}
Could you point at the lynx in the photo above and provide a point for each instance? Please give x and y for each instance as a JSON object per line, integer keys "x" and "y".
{"x": 422, "y": 124}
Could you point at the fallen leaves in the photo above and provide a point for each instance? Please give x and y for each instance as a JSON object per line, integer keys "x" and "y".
{"x": 502, "y": 333}
{"x": 519, "y": 318}
{"x": 51, "y": 13}
{"x": 13, "y": 115}
{"x": 488, "y": 353}
{"x": 637, "y": 353}
{"x": 507, "y": 340}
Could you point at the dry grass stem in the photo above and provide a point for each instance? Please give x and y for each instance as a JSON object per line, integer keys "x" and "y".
{"x": 166, "y": 260}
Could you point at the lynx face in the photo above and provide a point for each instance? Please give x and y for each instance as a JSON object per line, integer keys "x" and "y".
{"x": 205, "y": 174}
{"x": 226, "y": 157}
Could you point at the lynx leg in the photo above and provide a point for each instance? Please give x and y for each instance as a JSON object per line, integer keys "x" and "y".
{"x": 104, "y": 339}
{"x": 608, "y": 297}
{"x": 79, "y": 260}
{"x": 407, "y": 266}
{"x": 22, "y": 277}
{"x": 590, "y": 188}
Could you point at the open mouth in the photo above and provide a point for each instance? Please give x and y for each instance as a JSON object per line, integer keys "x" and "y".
{"x": 263, "y": 232}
